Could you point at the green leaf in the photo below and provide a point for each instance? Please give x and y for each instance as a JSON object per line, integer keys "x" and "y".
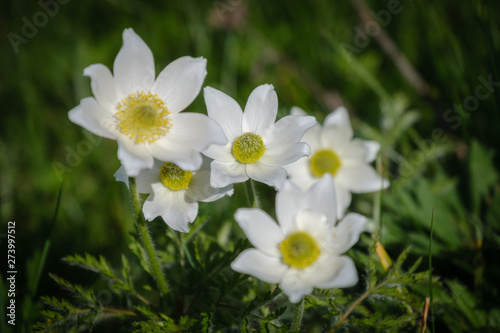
{"x": 483, "y": 174}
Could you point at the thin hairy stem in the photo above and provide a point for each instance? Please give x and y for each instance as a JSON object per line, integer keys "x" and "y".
{"x": 147, "y": 242}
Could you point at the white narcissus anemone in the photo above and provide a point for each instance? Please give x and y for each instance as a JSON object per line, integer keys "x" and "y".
{"x": 174, "y": 193}
{"x": 257, "y": 147}
{"x": 304, "y": 251}
{"x": 143, "y": 114}
{"x": 334, "y": 151}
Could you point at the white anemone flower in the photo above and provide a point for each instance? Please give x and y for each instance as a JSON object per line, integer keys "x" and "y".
{"x": 304, "y": 251}
{"x": 143, "y": 114}
{"x": 257, "y": 147}
{"x": 334, "y": 151}
{"x": 174, "y": 193}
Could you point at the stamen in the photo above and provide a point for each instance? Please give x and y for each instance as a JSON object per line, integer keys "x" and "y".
{"x": 248, "y": 148}
{"x": 299, "y": 250}
{"x": 174, "y": 177}
{"x": 324, "y": 161}
{"x": 143, "y": 117}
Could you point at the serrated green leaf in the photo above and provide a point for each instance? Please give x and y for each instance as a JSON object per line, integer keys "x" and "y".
{"x": 483, "y": 174}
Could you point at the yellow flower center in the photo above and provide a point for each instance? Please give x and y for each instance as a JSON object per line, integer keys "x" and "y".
{"x": 324, "y": 161}
{"x": 299, "y": 250}
{"x": 248, "y": 148}
{"x": 174, "y": 177}
{"x": 143, "y": 117}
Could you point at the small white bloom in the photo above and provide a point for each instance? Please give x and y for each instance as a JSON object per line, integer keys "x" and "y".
{"x": 143, "y": 114}
{"x": 257, "y": 147}
{"x": 334, "y": 151}
{"x": 304, "y": 251}
{"x": 174, "y": 193}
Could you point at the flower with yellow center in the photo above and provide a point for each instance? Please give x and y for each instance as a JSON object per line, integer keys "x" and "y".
{"x": 174, "y": 193}
{"x": 142, "y": 112}
{"x": 304, "y": 250}
{"x": 335, "y": 152}
{"x": 257, "y": 147}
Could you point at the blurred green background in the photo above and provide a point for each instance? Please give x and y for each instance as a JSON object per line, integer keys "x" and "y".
{"x": 401, "y": 81}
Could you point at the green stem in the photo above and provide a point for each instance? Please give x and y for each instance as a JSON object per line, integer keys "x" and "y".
{"x": 343, "y": 319}
{"x": 256, "y": 200}
{"x": 297, "y": 316}
{"x": 143, "y": 231}
{"x": 430, "y": 273}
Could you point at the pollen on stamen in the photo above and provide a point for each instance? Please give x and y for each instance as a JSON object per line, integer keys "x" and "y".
{"x": 143, "y": 117}
{"x": 299, "y": 250}
{"x": 174, "y": 177}
{"x": 248, "y": 148}
{"x": 324, "y": 161}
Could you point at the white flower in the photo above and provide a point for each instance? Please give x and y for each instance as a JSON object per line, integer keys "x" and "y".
{"x": 334, "y": 151}
{"x": 174, "y": 193}
{"x": 305, "y": 250}
{"x": 142, "y": 114}
{"x": 257, "y": 147}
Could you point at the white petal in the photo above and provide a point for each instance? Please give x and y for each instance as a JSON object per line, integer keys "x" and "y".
{"x": 296, "y": 111}
{"x": 295, "y": 285}
{"x": 304, "y": 181}
{"x": 186, "y": 159}
{"x": 313, "y": 223}
{"x": 93, "y": 118}
{"x": 134, "y": 157}
{"x": 286, "y": 154}
{"x": 321, "y": 197}
{"x": 179, "y": 216}
{"x": 299, "y": 167}
{"x": 339, "y": 118}
{"x": 121, "y": 176}
{"x": 134, "y": 67}
{"x": 143, "y": 181}
{"x": 334, "y": 272}
{"x": 146, "y": 178}
{"x": 361, "y": 179}
{"x": 190, "y": 133}
{"x": 225, "y": 111}
{"x": 103, "y": 86}
{"x": 343, "y": 199}
{"x": 201, "y": 190}
{"x": 180, "y": 82}
{"x": 220, "y": 153}
{"x": 346, "y": 232}
{"x": 372, "y": 148}
{"x": 288, "y": 202}
{"x": 171, "y": 206}
{"x": 260, "y": 229}
{"x": 353, "y": 153}
{"x": 300, "y": 173}
{"x": 287, "y": 130}
{"x": 261, "y": 110}
{"x": 194, "y": 131}
{"x": 270, "y": 175}
{"x": 225, "y": 173}
{"x": 156, "y": 203}
{"x": 335, "y": 138}
{"x": 313, "y": 137}
{"x": 263, "y": 267}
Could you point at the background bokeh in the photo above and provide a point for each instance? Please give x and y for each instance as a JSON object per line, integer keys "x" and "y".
{"x": 412, "y": 84}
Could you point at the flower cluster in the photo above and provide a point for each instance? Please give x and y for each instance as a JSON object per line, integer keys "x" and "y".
{"x": 181, "y": 158}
